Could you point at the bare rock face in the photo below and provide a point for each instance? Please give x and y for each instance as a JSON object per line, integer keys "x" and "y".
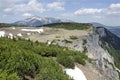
{"x": 104, "y": 62}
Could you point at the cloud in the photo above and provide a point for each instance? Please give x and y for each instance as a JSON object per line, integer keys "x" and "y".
{"x": 113, "y": 9}
{"x": 7, "y": 10}
{"x": 27, "y": 15}
{"x": 115, "y": 5}
{"x": 8, "y": 3}
{"x": 58, "y": 6}
{"x": 31, "y": 6}
{"x": 67, "y": 15}
{"x": 84, "y": 11}
{"x": 109, "y": 15}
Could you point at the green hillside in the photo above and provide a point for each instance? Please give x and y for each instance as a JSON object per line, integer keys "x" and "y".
{"x": 27, "y": 60}
{"x": 70, "y": 26}
{"x": 7, "y": 25}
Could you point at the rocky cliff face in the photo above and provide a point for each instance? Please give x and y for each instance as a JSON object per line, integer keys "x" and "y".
{"x": 104, "y": 62}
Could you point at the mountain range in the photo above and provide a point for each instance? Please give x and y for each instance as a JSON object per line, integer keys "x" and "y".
{"x": 39, "y": 21}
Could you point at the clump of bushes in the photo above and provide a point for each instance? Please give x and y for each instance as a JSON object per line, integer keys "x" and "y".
{"x": 68, "y": 58}
{"x": 73, "y": 37}
{"x": 66, "y": 61}
{"x": 58, "y": 37}
{"x": 67, "y": 41}
{"x": 21, "y": 58}
{"x": 85, "y": 49}
{"x": 79, "y": 60}
{"x": 5, "y": 76}
{"x": 84, "y": 41}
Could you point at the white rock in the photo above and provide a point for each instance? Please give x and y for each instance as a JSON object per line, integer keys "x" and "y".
{"x": 2, "y": 33}
{"x": 76, "y": 74}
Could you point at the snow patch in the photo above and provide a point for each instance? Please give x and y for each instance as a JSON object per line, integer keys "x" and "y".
{"x": 2, "y": 33}
{"x": 10, "y": 35}
{"x": 76, "y": 74}
{"x": 33, "y": 30}
{"x": 28, "y": 34}
{"x": 49, "y": 43}
{"x": 19, "y": 35}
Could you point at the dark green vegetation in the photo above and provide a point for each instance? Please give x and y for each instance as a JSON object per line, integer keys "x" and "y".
{"x": 116, "y": 55}
{"x": 66, "y": 61}
{"x": 7, "y": 25}
{"x": 73, "y": 37}
{"x": 70, "y": 26}
{"x": 66, "y": 41}
{"x": 27, "y": 60}
{"x": 84, "y": 41}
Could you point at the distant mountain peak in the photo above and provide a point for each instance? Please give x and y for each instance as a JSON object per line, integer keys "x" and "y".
{"x": 38, "y": 21}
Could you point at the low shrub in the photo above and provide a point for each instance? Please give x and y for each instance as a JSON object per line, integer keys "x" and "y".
{"x": 79, "y": 60}
{"x": 67, "y": 41}
{"x": 66, "y": 61}
{"x": 73, "y": 37}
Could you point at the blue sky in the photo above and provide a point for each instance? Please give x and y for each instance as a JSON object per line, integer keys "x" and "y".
{"x": 103, "y": 11}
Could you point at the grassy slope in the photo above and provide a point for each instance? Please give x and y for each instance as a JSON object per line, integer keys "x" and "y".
{"x": 21, "y": 59}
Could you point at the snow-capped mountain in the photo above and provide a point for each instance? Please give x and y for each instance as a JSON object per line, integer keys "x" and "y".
{"x": 38, "y": 21}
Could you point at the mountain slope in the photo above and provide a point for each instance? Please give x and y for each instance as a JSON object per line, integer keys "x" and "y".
{"x": 98, "y": 43}
{"x": 109, "y": 37}
{"x": 27, "y": 60}
{"x": 115, "y": 30}
{"x": 38, "y": 21}
{"x": 111, "y": 42}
